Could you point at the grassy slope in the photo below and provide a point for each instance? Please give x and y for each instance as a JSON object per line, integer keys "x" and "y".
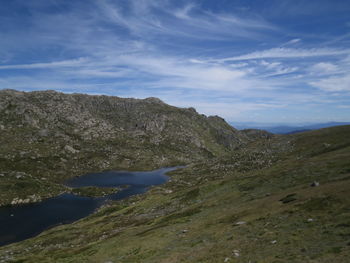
{"x": 197, "y": 222}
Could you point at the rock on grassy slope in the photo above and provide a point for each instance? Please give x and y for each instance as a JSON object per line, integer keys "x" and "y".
{"x": 255, "y": 205}
{"x": 48, "y": 136}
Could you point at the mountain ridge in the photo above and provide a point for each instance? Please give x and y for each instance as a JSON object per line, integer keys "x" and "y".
{"x": 47, "y": 132}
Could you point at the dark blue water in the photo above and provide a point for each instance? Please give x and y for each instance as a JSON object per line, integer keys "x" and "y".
{"x": 24, "y": 221}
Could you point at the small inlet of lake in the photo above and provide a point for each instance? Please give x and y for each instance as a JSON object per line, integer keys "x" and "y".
{"x": 24, "y": 221}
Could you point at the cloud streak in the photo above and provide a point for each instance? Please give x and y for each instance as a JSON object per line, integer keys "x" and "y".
{"x": 189, "y": 21}
{"x": 55, "y": 64}
{"x": 289, "y": 53}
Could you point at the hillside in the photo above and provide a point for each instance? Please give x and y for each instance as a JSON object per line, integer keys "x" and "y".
{"x": 221, "y": 212}
{"x": 244, "y": 196}
{"x": 48, "y": 136}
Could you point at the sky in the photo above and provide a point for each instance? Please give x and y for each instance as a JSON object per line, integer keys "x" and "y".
{"x": 275, "y": 61}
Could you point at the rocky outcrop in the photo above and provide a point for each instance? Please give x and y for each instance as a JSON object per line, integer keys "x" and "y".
{"x": 75, "y": 117}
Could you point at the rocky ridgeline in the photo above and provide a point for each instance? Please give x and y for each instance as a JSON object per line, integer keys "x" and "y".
{"x": 53, "y": 136}
{"x": 84, "y": 117}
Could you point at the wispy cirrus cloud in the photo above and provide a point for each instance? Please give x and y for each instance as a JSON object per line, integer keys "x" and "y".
{"x": 333, "y": 84}
{"x": 289, "y": 53}
{"x": 55, "y": 64}
{"x": 323, "y": 68}
{"x": 292, "y": 42}
{"x": 332, "y": 77}
{"x": 189, "y": 21}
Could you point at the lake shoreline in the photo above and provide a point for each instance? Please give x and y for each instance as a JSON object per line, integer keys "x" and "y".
{"x": 34, "y": 198}
{"x": 69, "y": 207}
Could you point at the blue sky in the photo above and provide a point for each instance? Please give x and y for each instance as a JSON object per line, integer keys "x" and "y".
{"x": 276, "y": 61}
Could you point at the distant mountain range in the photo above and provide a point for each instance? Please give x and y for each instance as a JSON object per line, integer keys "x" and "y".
{"x": 285, "y": 129}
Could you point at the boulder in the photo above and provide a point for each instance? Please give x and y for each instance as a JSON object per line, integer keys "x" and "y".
{"x": 315, "y": 184}
{"x": 70, "y": 149}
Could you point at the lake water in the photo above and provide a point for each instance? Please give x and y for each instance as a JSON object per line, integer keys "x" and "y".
{"x": 24, "y": 221}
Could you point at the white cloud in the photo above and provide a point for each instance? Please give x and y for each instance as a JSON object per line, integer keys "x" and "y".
{"x": 271, "y": 69}
{"x": 141, "y": 20}
{"x": 333, "y": 84}
{"x": 183, "y": 13}
{"x": 295, "y": 40}
{"x": 288, "y": 53}
{"x": 324, "y": 68}
{"x": 282, "y": 71}
{"x": 292, "y": 42}
{"x": 55, "y": 64}
{"x": 179, "y": 73}
{"x": 270, "y": 65}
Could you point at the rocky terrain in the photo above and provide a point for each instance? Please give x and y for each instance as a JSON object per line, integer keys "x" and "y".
{"x": 47, "y": 137}
{"x": 245, "y": 196}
